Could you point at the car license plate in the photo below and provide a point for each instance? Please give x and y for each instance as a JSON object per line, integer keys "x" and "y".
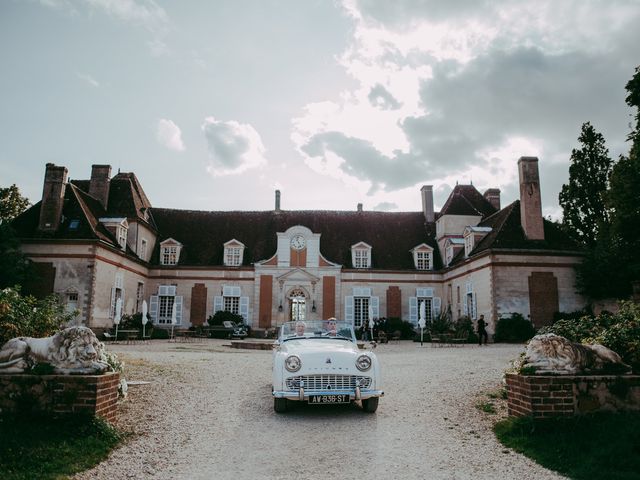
{"x": 343, "y": 398}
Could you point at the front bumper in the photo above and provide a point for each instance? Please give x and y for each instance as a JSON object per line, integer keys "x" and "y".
{"x": 302, "y": 395}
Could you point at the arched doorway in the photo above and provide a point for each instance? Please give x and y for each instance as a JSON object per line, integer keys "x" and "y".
{"x": 297, "y": 305}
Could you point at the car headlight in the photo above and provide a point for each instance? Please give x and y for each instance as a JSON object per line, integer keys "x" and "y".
{"x": 363, "y": 363}
{"x": 293, "y": 363}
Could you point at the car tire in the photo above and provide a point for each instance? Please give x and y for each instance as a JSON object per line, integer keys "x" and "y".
{"x": 280, "y": 405}
{"x": 370, "y": 405}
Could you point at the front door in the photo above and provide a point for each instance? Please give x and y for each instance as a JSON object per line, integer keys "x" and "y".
{"x": 298, "y": 306}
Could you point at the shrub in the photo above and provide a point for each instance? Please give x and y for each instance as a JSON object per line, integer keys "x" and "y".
{"x": 134, "y": 321}
{"x": 464, "y": 327}
{"x": 514, "y": 328}
{"x": 26, "y": 316}
{"x": 406, "y": 329}
{"x": 619, "y": 332}
{"x": 442, "y": 324}
{"x": 159, "y": 334}
{"x": 223, "y": 316}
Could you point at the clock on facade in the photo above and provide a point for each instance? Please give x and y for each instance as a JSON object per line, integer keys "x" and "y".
{"x": 298, "y": 242}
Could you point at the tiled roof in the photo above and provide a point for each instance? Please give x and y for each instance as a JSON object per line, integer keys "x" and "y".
{"x": 507, "y": 233}
{"x": 391, "y": 234}
{"x": 466, "y": 200}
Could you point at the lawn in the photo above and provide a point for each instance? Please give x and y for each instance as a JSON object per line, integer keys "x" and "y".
{"x": 602, "y": 445}
{"x": 42, "y": 448}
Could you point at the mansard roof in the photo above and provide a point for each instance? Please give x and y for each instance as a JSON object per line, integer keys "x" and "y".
{"x": 466, "y": 200}
{"x": 203, "y": 234}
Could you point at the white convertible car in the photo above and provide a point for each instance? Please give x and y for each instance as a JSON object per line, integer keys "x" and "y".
{"x": 319, "y": 362}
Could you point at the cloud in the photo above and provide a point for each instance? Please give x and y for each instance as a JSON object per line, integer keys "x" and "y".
{"x": 386, "y": 207}
{"x": 380, "y": 97}
{"x": 88, "y": 78}
{"x": 233, "y": 147}
{"x": 448, "y": 92}
{"x": 140, "y": 12}
{"x": 169, "y": 135}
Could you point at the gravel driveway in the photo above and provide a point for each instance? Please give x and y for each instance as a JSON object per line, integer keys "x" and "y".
{"x": 207, "y": 413}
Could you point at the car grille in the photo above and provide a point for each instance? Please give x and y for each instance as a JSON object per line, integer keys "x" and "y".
{"x": 328, "y": 382}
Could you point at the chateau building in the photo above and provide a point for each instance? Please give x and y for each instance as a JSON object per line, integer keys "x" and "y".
{"x": 95, "y": 241}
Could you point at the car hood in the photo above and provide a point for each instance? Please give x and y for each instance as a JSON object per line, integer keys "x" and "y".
{"x": 324, "y": 355}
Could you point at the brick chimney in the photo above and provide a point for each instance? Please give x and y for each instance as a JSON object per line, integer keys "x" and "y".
{"x": 530, "y": 200}
{"x": 427, "y": 203}
{"x": 277, "y": 200}
{"x": 99, "y": 183}
{"x": 492, "y": 195}
{"x": 359, "y": 207}
{"x": 55, "y": 184}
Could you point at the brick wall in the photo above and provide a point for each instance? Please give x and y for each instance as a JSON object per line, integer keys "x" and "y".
{"x": 61, "y": 394}
{"x": 541, "y": 396}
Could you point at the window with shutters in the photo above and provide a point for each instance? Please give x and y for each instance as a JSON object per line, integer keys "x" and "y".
{"x": 71, "y": 302}
{"x": 166, "y": 299}
{"x": 117, "y": 292}
{"x": 232, "y": 304}
{"x": 139, "y": 296}
{"x": 360, "y": 310}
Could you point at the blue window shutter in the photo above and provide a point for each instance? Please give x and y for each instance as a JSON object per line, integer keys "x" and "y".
{"x": 475, "y": 307}
{"x": 153, "y": 309}
{"x": 375, "y": 306}
{"x": 413, "y": 309}
{"x": 178, "y": 300}
{"x": 244, "y": 308}
{"x": 348, "y": 309}
{"x": 217, "y": 304}
{"x": 437, "y": 306}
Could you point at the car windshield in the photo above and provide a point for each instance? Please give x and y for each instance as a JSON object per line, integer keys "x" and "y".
{"x": 314, "y": 329}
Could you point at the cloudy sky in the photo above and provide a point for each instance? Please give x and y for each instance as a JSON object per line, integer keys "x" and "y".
{"x": 215, "y": 104}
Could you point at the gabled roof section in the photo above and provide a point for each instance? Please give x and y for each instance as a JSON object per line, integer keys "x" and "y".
{"x": 466, "y": 200}
{"x": 507, "y": 233}
{"x": 126, "y": 197}
{"x": 203, "y": 234}
{"x": 80, "y": 219}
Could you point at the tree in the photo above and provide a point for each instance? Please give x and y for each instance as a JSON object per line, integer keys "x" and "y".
{"x": 15, "y": 268}
{"x": 583, "y": 198}
{"x": 623, "y": 197}
{"x": 12, "y": 203}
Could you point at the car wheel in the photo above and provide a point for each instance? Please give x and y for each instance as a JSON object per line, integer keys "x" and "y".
{"x": 370, "y": 405}
{"x": 280, "y": 405}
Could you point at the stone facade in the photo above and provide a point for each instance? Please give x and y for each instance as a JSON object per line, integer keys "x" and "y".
{"x": 113, "y": 244}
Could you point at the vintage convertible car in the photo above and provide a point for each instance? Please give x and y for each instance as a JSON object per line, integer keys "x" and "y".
{"x": 319, "y": 362}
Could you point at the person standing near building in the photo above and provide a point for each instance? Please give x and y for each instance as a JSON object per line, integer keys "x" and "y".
{"x": 482, "y": 332}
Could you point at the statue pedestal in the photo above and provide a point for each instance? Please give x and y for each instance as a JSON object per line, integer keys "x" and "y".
{"x": 59, "y": 395}
{"x": 545, "y": 396}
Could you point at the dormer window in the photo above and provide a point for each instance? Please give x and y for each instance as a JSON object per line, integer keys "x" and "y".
{"x": 468, "y": 243}
{"x": 472, "y": 235}
{"x": 233, "y": 253}
{"x": 119, "y": 228}
{"x": 423, "y": 257}
{"x": 361, "y": 255}
{"x": 170, "y": 252}
{"x": 122, "y": 237}
{"x": 451, "y": 248}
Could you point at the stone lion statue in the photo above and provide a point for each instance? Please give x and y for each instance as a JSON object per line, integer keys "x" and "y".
{"x": 551, "y": 353}
{"x": 73, "y": 350}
